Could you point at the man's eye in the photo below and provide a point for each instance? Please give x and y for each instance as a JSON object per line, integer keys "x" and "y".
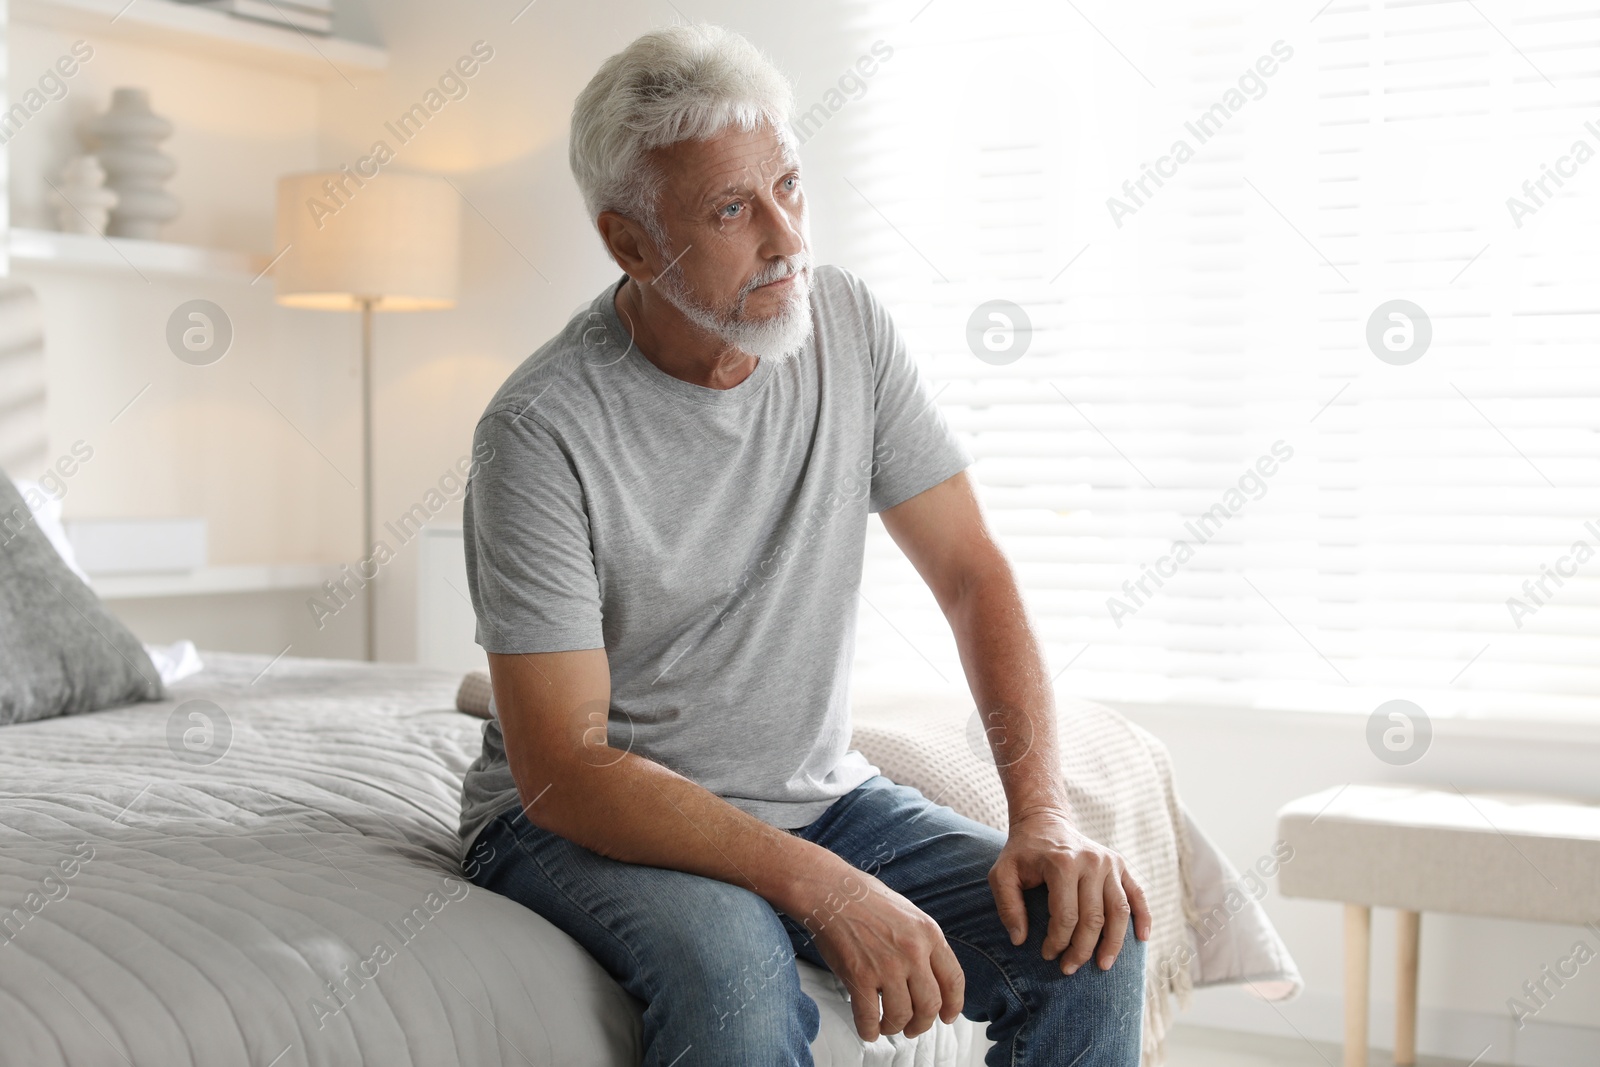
{"x": 791, "y": 182}
{"x": 732, "y": 210}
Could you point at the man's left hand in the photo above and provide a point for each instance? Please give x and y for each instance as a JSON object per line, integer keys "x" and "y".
{"x": 1090, "y": 889}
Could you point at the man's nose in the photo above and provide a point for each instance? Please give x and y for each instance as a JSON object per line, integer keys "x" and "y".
{"x": 784, "y": 236}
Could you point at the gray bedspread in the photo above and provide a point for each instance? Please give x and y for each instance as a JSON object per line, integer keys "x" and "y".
{"x": 262, "y": 870}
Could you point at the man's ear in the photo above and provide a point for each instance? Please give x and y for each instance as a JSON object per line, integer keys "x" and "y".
{"x": 629, "y": 246}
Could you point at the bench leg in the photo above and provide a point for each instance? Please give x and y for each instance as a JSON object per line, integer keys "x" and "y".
{"x": 1408, "y": 930}
{"x": 1357, "y": 967}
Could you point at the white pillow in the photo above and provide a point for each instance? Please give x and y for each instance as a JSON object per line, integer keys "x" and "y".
{"x": 177, "y": 660}
{"x": 47, "y": 513}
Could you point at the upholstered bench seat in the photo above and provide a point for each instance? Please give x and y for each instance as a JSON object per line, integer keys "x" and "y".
{"x": 1504, "y": 855}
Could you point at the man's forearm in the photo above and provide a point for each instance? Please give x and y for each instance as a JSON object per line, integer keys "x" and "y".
{"x": 639, "y": 811}
{"x": 1011, "y": 685}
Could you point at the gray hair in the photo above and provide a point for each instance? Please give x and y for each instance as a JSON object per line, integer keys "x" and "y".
{"x": 681, "y": 83}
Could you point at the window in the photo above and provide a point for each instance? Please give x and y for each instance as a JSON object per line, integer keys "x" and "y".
{"x": 1309, "y": 413}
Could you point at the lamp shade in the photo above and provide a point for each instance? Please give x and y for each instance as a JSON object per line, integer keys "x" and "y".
{"x": 392, "y": 239}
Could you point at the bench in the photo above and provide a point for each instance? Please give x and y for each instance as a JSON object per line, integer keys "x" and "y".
{"x": 1417, "y": 849}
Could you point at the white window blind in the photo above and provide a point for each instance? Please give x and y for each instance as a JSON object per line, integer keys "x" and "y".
{"x": 1224, "y": 324}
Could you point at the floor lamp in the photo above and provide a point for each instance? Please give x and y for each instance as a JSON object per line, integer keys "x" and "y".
{"x": 390, "y": 242}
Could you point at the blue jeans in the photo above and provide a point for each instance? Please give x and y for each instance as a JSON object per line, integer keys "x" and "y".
{"x": 713, "y": 962}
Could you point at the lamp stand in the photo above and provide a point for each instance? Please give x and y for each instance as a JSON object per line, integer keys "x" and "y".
{"x": 371, "y": 614}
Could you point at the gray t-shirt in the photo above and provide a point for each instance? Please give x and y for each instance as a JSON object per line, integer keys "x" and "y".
{"x": 710, "y": 540}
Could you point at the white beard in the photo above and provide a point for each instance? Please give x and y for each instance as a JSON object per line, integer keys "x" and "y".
{"x": 778, "y": 338}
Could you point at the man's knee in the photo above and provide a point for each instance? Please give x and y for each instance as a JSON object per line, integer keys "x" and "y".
{"x": 1117, "y": 993}
{"x": 737, "y": 970}
{"x": 737, "y": 942}
{"x": 1122, "y": 982}
{"x": 752, "y": 987}
{"x": 1125, "y": 976}
{"x": 1127, "y": 970}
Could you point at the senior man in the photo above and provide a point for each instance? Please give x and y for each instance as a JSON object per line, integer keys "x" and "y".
{"x": 663, "y": 556}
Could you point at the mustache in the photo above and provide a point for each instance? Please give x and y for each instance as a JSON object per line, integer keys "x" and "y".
{"x": 779, "y": 270}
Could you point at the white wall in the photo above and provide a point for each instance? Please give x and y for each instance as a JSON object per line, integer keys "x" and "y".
{"x": 199, "y": 440}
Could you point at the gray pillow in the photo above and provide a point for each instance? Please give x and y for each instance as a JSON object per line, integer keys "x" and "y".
{"x": 61, "y": 651}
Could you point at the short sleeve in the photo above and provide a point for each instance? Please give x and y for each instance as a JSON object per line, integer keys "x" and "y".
{"x": 913, "y": 446}
{"x": 530, "y": 560}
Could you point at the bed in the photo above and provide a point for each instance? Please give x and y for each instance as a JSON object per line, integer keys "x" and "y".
{"x": 257, "y": 864}
{"x": 267, "y": 873}
{"x": 282, "y": 886}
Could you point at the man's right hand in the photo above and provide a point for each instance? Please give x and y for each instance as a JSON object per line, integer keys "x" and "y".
{"x": 880, "y": 944}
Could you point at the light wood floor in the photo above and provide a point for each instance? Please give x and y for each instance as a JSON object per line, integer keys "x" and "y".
{"x": 1195, "y": 1046}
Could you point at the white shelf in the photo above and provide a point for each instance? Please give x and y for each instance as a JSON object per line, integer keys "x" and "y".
{"x": 207, "y": 581}
{"x": 207, "y": 33}
{"x": 77, "y": 251}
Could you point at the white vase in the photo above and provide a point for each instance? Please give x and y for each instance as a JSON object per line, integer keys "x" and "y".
{"x": 81, "y": 200}
{"x": 128, "y": 134}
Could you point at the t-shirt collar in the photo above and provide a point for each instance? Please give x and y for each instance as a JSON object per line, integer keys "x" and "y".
{"x": 618, "y": 335}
